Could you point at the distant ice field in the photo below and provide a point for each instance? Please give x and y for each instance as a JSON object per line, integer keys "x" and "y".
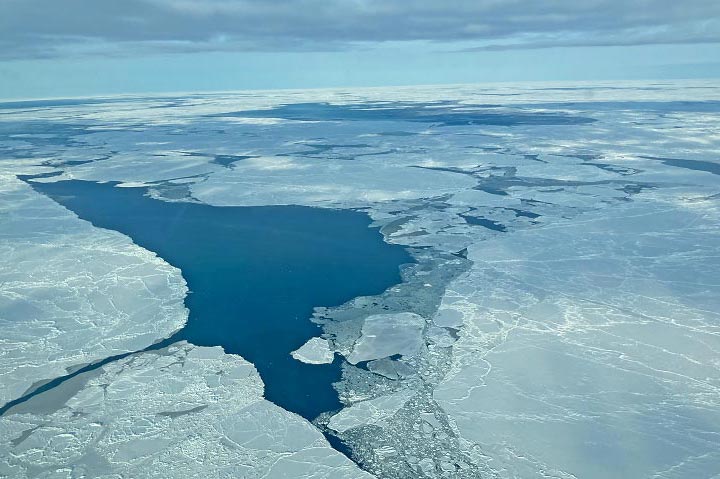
{"x": 470, "y": 281}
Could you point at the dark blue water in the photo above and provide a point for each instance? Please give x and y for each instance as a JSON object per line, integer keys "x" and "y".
{"x": 50, "y": 103}
{"x": 228, "y": 160}
{"x": 697, "y": 165}
{"x": 490, "y": 224}
{"x": 254, "y": 275}
{"x": 703, "y": 106}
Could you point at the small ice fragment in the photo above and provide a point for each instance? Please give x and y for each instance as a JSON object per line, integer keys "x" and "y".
{"x": 315, "y": 351}
{"x": 440, "y": 336}
{"x": 390, "y": 369}
{"x": 373, "y": 411}
{"x": 385, "y": 335}
{"x": 449, "y": 318}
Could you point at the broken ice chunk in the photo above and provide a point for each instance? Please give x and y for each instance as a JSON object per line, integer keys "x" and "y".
{"x": 385, "y": 335}
{"x": 315, "y": 351}
{"x": 373, "y": 411}
{"x": 442, "y": 337}
{"x": 390, "y": 369}
{"x": 449, "y": 318}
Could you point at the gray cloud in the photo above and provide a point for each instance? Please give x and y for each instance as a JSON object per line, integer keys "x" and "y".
{"x": 50, "y": 28}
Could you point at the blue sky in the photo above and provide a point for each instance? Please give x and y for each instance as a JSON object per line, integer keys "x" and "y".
{"x": 51, "y": 48}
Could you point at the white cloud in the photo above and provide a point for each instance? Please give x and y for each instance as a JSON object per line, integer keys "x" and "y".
{"x": 32, "y": 28}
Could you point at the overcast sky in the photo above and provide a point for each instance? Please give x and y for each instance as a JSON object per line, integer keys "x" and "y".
{"x": 90, "y": 47}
